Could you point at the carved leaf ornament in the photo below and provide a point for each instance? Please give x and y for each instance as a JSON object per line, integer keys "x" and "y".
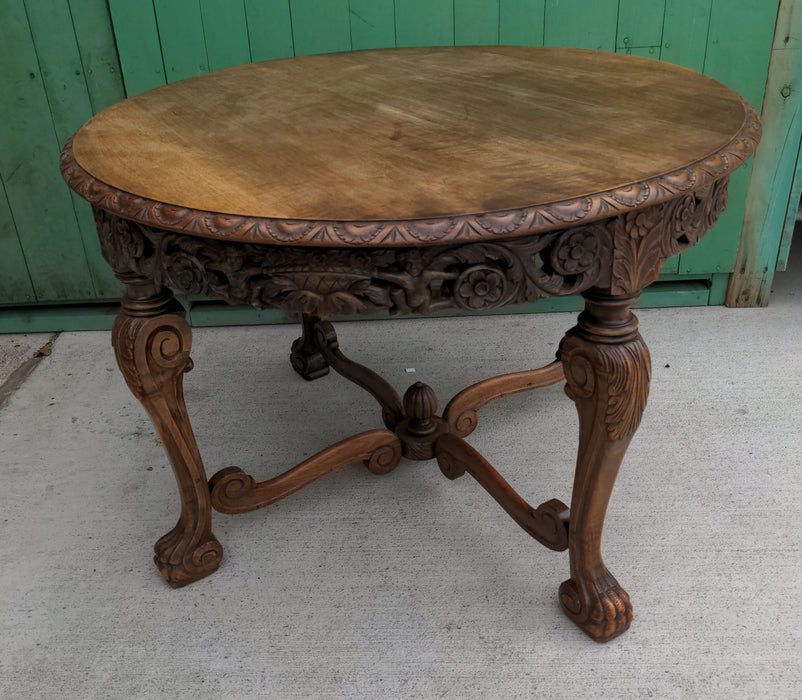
{"x": 623, "y": 253}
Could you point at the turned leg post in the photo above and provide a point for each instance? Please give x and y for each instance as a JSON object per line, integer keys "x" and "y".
{"x": 152, "y": 341}
{"x": 607, "y": 372}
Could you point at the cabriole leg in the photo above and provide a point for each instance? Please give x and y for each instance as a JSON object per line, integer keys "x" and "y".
{"x": 152, "y": 341}
{"x": 607, "y": 372}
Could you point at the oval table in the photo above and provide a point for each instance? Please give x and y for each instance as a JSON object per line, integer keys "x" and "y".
{"x": 411, "y": 180}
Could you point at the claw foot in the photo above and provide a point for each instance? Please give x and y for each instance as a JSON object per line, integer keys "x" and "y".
{"x": 600, "y": 606}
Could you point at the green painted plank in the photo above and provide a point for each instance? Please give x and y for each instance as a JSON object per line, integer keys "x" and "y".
{"x": 671, "y": 266}
{"x": 738, "y": 51}
{"x": 53, "y": 319}
{"x": 101, "y": 71}
{"x": 181, "y": 37}
{"x": 718, "y": 288}
{"x": 67, "y": 93}
{"x": 60, "y": 64}
{"x": 424, "y": 22}
{"x": 320, "y": 26}
{"x": 101, "y": 66}
{"x": 39, "y": 201}
{"x": 521, "y": 22}
{"x": 739, "y": 45}
{"x": 15, "y": 284}
{"x": 640, "y": 23}
{"x": 269, "y": 29}
{"x": 372, "y": 24}
{"x": 580, "y": 24}
{"x": 138, "y": 44}
{"x": 476, "y": 22}
{"x": 217, "y": 313}
{"x": 717, "y": 250}
{"x": 225, "y": 29}
{"x": 790, "y": 214}
{"x": 774, "y": 165}
{"x": 685, "y": 32}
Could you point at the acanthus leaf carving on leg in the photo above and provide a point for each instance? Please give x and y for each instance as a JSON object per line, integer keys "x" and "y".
{"x": 607, "y": 372}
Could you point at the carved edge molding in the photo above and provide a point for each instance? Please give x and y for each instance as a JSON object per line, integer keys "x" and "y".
{"x": 622, "y": 254}
{"x": 463, "y": 228}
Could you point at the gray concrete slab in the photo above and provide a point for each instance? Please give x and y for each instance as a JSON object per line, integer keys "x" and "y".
{"x": 408, "y": 585}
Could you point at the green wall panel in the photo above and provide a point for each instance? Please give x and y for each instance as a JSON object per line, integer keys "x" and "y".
{"x": 685, "y": 28}
{"x": 738, "y": 50}
{"x": 39, "y": 201}
{"x": 424, "y": 22}
{"x": 63, "y": 77}
{"x": 476, "y": 22}
{"x": 225, "y": 29}
{"x": 372, "y": 24}
{"x": 92, "y": 27}
{"x": 269, "y": 29}
{"x": 138, "y": 44}
{"x": 640, "y": 25}
{"x": 521, "y": 22}
{"x": 320, "y": 26}
{"x": 581, "y": 24}
{"x": 183, "y": 45}
{"x": 15, "y": 282}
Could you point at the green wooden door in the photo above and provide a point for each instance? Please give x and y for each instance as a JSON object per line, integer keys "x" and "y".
{"x": 58, "y": 64}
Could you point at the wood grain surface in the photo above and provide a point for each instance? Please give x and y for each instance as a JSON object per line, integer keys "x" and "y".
{"x": 409, "y": 133}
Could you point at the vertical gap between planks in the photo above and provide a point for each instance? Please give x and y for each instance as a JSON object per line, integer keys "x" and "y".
{"x": 19, "y": 243}
{"x": 80, "y": 56}
{"x": 662, "y": 29}
{"x": 247, "y": 31}
{"x": 292, "y": 29}
{"x": 350, "y": 33}
{"x": 205, "y": 45}
{"x": 707, "y": 36}
{"x": 90, "y": 276}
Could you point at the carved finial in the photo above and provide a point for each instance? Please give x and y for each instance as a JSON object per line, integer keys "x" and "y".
{"x": 420, "y": 405}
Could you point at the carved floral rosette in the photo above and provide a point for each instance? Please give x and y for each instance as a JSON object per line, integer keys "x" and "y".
{"x": 622, "y": 254}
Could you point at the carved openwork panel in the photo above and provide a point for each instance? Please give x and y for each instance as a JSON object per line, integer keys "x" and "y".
{"x": 331, "y": 281}
{"x": 622, "y": 253}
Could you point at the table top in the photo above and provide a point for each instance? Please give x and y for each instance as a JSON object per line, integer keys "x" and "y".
{"x": 410, "y": 146}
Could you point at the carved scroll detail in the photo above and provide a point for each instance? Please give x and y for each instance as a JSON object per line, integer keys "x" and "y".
{"x": 548, "y": 523}
{"x": 234, "y": 491}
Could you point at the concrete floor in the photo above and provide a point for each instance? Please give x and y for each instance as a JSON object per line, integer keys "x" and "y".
{"x": 408, "y": 585}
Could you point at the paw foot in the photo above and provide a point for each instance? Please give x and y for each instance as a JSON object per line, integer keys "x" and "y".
{"x": 598, "y": 606}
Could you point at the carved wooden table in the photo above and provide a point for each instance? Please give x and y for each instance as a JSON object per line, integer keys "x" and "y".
{"x": 411, "y": 180}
